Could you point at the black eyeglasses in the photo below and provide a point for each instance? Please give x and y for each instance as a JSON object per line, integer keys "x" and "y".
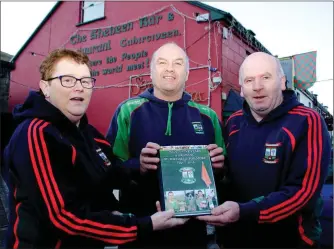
{"x": 70, "y": 81}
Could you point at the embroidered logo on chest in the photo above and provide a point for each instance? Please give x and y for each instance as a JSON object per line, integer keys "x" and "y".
{"x": 103, "y": 156}
{"x": 270, "y": 155}
{"x": 198, "y": 127}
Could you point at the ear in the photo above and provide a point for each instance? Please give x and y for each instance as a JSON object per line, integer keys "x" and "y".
{"x": 283, "y": 86}
{"x": 187, "y": 75}
{"x": 241, "y": 92}
{"x": 45, "y": 87}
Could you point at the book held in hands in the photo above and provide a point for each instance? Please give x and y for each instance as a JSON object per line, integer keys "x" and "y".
{"x": 186, "y": 180}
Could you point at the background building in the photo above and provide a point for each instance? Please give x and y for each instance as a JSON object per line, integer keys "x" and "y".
{"x": 305, "y": 69}
{"x": 5, "y": 68}
{"x": 120, "y": 37}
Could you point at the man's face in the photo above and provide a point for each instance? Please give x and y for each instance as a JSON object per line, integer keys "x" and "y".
{"x": 169, "y": 72}
{"x": 170, "y": 196}
{"x": 72, "y": 102}
{"x": 261, "y": 86}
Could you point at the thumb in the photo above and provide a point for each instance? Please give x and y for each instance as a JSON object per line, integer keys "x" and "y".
{"x": 158, "y": 206}
{"x": 219, "y": 210}
{"x": 169, "y": 214}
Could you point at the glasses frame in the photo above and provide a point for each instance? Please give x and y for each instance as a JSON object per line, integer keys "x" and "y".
{"x": 80, "y": 80}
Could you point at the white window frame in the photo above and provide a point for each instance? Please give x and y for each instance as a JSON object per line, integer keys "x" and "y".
{"x": 92, "y": 10}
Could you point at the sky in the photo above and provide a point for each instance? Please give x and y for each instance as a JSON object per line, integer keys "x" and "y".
{"x": 284, "y": 28}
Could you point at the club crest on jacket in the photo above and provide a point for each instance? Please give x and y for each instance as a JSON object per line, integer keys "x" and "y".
{"x": 270, "y": 155}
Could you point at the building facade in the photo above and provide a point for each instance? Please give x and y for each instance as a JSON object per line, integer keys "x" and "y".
{"x": 120, "y": 37}
{"x": 5, "y": 69}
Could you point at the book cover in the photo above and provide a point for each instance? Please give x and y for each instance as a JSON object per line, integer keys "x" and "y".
{"x": 186, "y": 180}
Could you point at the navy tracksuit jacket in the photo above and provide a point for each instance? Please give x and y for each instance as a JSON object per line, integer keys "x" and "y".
{"x": 276, "y": 169}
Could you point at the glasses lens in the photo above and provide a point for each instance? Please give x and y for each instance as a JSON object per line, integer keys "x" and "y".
{"x": 68, "y": 81}
{"x": 87, "y": 82}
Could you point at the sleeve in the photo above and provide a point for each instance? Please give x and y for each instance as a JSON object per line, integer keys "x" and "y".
{"x": 118, "y": 137}
{"x": 223, "y": 183}
{"x": 52, "y": 188}
{"x": 307, "y": 172}
{"x": 219, "y": 139}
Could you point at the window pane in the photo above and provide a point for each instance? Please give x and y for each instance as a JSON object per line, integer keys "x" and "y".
{"x": 92, "y": 10}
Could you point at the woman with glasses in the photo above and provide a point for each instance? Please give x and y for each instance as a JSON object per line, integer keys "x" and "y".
{"x": 61, "y": 170}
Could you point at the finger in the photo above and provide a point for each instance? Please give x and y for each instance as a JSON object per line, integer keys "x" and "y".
{"x": 153, "y": 145}
{"x": 218, "y": 158}
{"x": 178, "y": 221}
{"x": 218, "y": 165}
{"x": 216, "y": 152}
{"x": 168, "y": 214}
{"x": 116, "y": 213}
{"x": 211, "y": 147}
{"x": 149, "y": 151}
{"x": 157, "y": 204}
{"x": 149, "y": 166}
{"x": 150, "y": 160}
{"x": 219, "y": 210}
{"x": 209, "y": 218}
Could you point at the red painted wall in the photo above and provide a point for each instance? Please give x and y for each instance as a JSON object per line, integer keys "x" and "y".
{"x": 115, "y": 87}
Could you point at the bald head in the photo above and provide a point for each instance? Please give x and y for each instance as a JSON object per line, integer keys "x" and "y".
{"x": 168, "y": 46}
{"x": 262, "y": 81}
{"x": 258, "y": 59}
{"x": 169, "y": 72}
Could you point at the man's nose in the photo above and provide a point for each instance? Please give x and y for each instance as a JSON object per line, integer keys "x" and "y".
{"x": 257, "y": 85}
{"x": 170, "y": 67}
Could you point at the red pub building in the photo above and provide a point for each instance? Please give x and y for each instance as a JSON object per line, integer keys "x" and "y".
{"x": 120, "y": 37}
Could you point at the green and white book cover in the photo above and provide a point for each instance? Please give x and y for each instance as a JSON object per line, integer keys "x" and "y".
{"x": 186, "y": 180}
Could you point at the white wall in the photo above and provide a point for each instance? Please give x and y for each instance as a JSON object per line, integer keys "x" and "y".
{"x": 304, "y": 99}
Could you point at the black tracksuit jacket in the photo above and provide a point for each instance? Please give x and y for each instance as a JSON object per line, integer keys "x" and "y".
{"x": 61, "y": 178}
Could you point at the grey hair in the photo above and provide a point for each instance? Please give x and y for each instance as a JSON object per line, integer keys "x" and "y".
{"x": 155, "y": 54}
{"x": 279, "y": 70}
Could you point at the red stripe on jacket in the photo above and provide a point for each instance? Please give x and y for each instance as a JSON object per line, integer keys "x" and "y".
{"x": 57, "y": 214}
{"x": 302, "y": 232}
{"x": 58, "y": 244}
{"x": 311, "y": 178}
{"x": 237, "y": 113}
{"x": 17, "y": 241}
{"x": 292, "y": 138}
{"x": 102, "y": 141}
{"x": 232, "y": 132}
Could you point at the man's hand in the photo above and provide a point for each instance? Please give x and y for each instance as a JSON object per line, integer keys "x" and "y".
{"x": 163, "y": 220}
{"x": 226, "y": 213}
{"x": 216, "y": 154}
{"x": 148, "y": 159}
{"x": 116, "y": 213}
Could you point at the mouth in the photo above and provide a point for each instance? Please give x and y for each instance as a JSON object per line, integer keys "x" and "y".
{"x": 259, "y": 97}
{"x": 78, "y": 99}
{"x": 169, "y": 77}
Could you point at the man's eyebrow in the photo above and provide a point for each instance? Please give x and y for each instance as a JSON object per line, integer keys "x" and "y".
{"x": 179, "y": 59}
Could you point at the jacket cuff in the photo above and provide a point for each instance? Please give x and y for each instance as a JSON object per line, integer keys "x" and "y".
{"x": 249, "y": 211}
{"x": 144, "y": 228}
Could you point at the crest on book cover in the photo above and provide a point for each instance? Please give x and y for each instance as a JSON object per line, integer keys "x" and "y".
{"x": 270, "y": 155}
{"x": 188, "y": 176}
